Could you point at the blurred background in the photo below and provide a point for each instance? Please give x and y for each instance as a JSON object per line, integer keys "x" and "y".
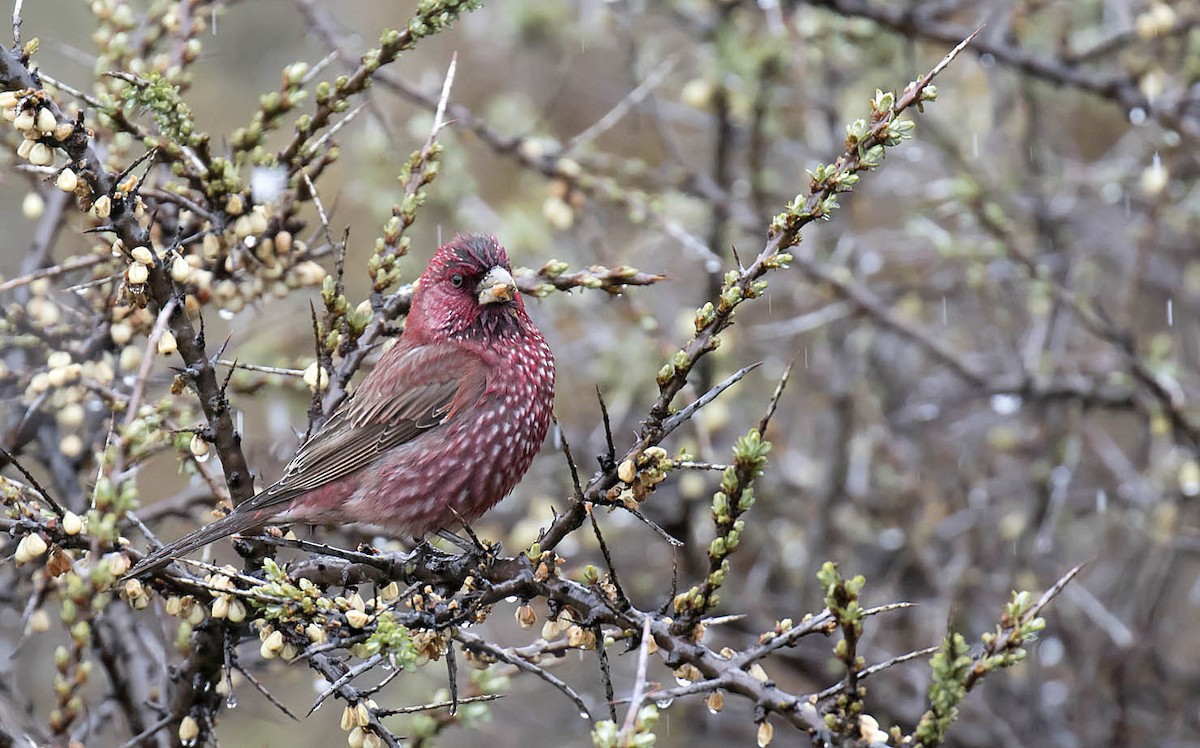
{"x": 994, "y": 341}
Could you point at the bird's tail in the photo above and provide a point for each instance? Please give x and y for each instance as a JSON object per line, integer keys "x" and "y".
{"x": 228, "y": 525}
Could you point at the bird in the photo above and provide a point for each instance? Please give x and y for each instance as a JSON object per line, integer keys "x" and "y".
{"x": 440, "y": 431}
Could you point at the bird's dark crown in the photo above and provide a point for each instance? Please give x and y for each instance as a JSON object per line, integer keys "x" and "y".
{"x": 473, "y": 253}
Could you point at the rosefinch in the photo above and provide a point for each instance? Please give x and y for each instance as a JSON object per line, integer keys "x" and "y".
{"x": 442, "y": 428}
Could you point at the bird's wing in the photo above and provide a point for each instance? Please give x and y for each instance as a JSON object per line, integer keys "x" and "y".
{"x": 412, "y": 390}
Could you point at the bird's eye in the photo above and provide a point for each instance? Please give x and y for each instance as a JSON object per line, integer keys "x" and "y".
{"x": 456, "y": 280}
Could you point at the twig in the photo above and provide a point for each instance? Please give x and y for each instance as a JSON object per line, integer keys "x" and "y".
{"x": 618, "y": 112}
{"x": 471, "y": 641}
{"x": 348, "y": 676}
{"x": 639, "y": 680}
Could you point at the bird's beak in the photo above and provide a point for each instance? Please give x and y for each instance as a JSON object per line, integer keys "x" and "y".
{"x": 497, "y": 286}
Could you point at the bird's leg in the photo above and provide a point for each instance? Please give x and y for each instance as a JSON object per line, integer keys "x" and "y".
{"x": 425, "y": 550}
{"x": 455, "y": 540}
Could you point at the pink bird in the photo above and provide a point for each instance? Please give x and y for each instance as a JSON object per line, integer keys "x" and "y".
{"x": 443, "y": 427}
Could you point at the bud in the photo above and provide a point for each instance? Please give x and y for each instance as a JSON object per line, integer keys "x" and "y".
{"x": 272, "y": 645}
{"x": 189, "y": 730}
{"x": 316, "y": 377}
{"x": 181, "y": 270}
{"x": 102, "y": 207}
{"x": 315, "y": 633}
{"x": 167, "y": 344}
{"x": 118, "y": 564}
{"x": 33, "y": 206}
{"x": 137, "y": 274}
{"x": 766, "y": 733}
{"x": 131, "y": 358}
{"x": 349, "y": 722}
{"x": 142, "y": 255}
{"x": 67, "y": 181}
{"x": 526, "y": 617}
{"x": 31, "y": 546}
{"x": 45, "y": 121}
{"x": 25, "y": 121}
{"x": 198, "y": 447}
{"x": 715, "y": 702}
{"x": 357, "y": 618}
{"x": 308, "y": 273}
{"x": 72, "y": 524}
{"x": 237, "y": 611}
{"x": 174, "y": 605}
{"x": 41, "y": 155}
{"x": 627, "y": 471}
{"x": 39, "y": 622}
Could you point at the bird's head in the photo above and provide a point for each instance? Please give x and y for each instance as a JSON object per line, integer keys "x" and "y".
{"x": 468, "y": 292}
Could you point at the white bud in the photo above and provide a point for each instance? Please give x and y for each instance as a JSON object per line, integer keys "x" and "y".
{"x": 316, "y": 377}
{"x": 309, "y": 273}
{"x": 189, "y": 730}
{"x": 39, "y": 622}
{"x": 142, "y": 255}
{"x": 45, "y": 121}
{"x": 131, "y": 358}
{"x": 258, "y": 220}
{"x": 766, "y": 733}
{"x": 626, "y": 471}
{"x": 181, "y": 270}
{"x": 58, "y": 359}
{"x": 121, "y": 333}
{"x": 237, "y": 611}
{"x": 30, "y": 547}
{"x": 24, "y": 148}
{"x": 71, "y": 445}
{"x": 25, "y": 121}
{"x": 67, "y": 180}
{"x": 41, "y": 155}
{"x": 357, "y": 619}
{"x": 32, "y": 206}
{"x": 103, "y": 206}
{"x": 72, "y": 523}
{"x": 167, "y": 344}
{"x": 274, "y": 641}
{"x": 137, "y": 274}
{"x": 315, "y": 633}
{"x": 198, "y": 446}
